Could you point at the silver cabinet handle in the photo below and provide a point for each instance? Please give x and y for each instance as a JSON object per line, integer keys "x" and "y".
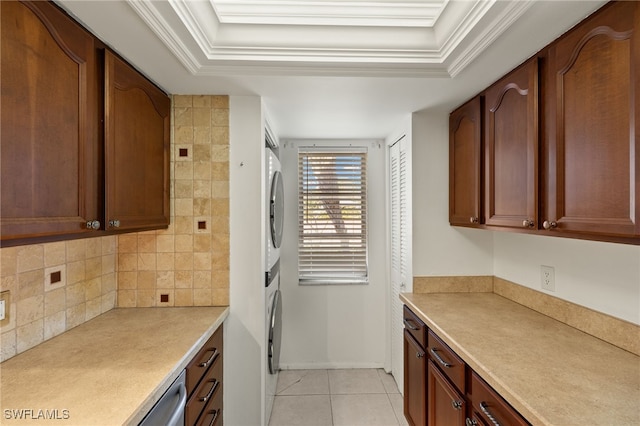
{"x": 528, "y": 223}
{"x": 409, "y": 325}
{"x": 419, "y": 354}
{"x": 471, "y": 422}
{"x": 473, "y": 219}
{"x": 549, "y": 225}
{"x": 485, "y": 410}
{"x": 114, "y": 223}
{"x": 442, "y": 362}
{"x": 214, "y": 386}
{"x": 93, "y": 224}
{"x": 457, "y": 405}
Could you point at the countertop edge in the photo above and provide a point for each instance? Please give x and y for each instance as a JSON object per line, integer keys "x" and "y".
{"x": 136, "y": 417}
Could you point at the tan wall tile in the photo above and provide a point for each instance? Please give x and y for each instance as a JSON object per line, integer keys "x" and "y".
{"x": 108, "y": 301}
{"x": 184, "y": 243}
{"x": 202, "y": 297}
{"x": 146, "y": 261}
{"x": 220, "y": 279}
{"x": 76, "y": 250}
{"x": 8, "y": 261}
{"x": 183, "y": 297}
{"x": 220, "y": 153}
{"x": 184, "y": 279}
{"x": 93, "y": 289}
{"x": 109, "y": 283}
{"x": 184, "y": 188}
{"x": 30, "y": 258}
{"x": 183, "y": 170}
{"x": 202, "y": 242}
{"x": 108, "y": 264}
{"x": 127, "y": 262}
{"x": 127, "y": 280}
{"x": 201, "y": 117}
{"x": 202, "y": 261}
{"x": 202, "y": 189}
{"x": 165, "y": 244}
{"x": 127, "y": 243}
{"x": 93, "y": 247}
{"x": 76, "y": 315}
{"x": 7, "y": 345}
{"x": 220, "y": 118}
{"x": 9, "y": 283}
{"x": 201, "y": 207}
{"x": 29, "y": 310}
{"x": 165, "y": 279}
{"x": 184, "y": 225}
{"x": 55, "y": 324}
{"x": 220, "y": 135}
{"x": 127, "y": 298}
{"x": 55, "y": 301}
{"x": 55, "y": 254}
{"x": 183, "y": 117}
{"x": 219, "y": 171}
{"x": 201, "y": 279}
{"x": 184, "y": 207}
{"x": 29, "y": 284}
{"x": 184, "y": 261}
{"x": 76, "y": 294}
{"x": 182, "y": 101}
{"x": 166, "y": 261}
{"x": 76, "y": 271}
{"x": 146, "y": 243}
{"x": 202, "y": 101}
{"x": 146, "y": 280}
{"x": 221, "y": 297}
{"x": 219, "y": 189}
{"x": 29, "y": 335}
{"x": 109, "y": 244}
{"x": 220, "y": 101}
{"x": 93, "y": 267}
{"x": 93, "y": 309}
{"x": 202, "y": 136}
{"x": 146, "y": 298}
{"x": 184, "y": 135}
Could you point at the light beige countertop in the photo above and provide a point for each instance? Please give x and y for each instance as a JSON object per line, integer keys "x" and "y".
{"x": 553, "y": 374}
{"x": 108, "y": 371}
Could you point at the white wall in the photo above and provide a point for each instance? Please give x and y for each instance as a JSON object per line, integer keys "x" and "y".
{"x": 601, "y": 276}
{"x": 244, "y": 331}
{"x": 337, "y": 326}
{"x": 440, "y": 249}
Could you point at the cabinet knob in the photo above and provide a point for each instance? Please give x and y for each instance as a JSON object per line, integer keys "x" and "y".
{"x": 549, "y": 225}
{"x": 419, "y": 354}
{"x": 457, "y": 405}
{"x": 93, "y": 224}
{"x": 528, "y": 223}
{"x": 114, "y": 223}
{"x": 473, "y": 219}
{"x": 471, "y": 422}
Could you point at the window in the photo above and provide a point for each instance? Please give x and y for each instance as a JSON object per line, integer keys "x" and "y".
{"x": 332, "y": 216}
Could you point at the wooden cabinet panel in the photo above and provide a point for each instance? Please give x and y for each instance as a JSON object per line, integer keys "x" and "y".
{"x": 465, "y": 145}
{"x": 593, "y": 126}
{"x": 137, "y": 117}
{"x": 49, "y": 123}
{"x": 204, "y": 383}
{"x": 511, "y": 149}
{"x": 445, "y": 405}
{"x": 491, "y": 407}
{"x": 415, "y": 385}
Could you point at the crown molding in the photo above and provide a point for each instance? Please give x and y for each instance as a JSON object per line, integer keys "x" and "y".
{"x": 408, "y": 13}
{"x": 212, "y": 47}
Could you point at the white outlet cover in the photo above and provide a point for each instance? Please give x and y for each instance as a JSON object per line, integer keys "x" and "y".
{"x": 48, "y": 286}
{"x": 547, "y": 278}
{"x": 2, "y": 310}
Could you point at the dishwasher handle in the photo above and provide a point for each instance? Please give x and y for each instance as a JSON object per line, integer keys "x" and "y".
{"x": 178, "y": 411}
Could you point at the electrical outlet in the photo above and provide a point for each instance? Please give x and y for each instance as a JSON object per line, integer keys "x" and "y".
{"x": 5, "y": 305}
{"x": 548, "y": 278}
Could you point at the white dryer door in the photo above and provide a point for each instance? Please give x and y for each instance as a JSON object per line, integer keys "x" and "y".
{"x": 276, "y": 209}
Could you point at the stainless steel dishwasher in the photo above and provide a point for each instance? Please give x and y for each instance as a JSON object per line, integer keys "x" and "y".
{"x": 169, "y": 410}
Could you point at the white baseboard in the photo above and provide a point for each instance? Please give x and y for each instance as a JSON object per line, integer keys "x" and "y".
{"x": 329, "y": 365}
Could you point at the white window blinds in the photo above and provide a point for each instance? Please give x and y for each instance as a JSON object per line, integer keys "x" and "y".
{"x": 332, "y": 216}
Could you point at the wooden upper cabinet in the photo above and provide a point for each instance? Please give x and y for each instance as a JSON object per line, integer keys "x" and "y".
{"x": 592, "y": 130}
{"x": 49, "y": 124}
{"x": 137, "y": 136}
{"x": 465, "y": 145}
{"x": 511, "y": 149}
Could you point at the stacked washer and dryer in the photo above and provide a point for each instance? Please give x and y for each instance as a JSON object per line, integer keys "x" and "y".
{"x": 275, "y": 221}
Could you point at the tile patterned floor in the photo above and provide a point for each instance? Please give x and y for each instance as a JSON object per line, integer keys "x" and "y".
{"x": 367, "y": 397}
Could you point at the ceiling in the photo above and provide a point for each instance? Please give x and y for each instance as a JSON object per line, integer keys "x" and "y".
{"x": 330, "y": 69}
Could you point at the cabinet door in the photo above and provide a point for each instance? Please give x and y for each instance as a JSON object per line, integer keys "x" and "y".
{"x": 593, "y": 126}
{"x": 415, "y": 384}
{"x": 137, "y": 116}
{"x": 465, "y": 145}
{"x": 445, "y": 405}
{"x": 49, "y": 123}
{"x": 511, "y": 149}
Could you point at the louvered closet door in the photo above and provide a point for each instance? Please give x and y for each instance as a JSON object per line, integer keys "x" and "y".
{"x": 400, "y": 194}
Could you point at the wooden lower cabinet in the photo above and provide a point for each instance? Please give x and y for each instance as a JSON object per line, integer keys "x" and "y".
{"x": 446, "y": 406}
{"x": 441, "y": 390}
{"x": 415, "y": 381}
{"x": 204, "y": 384}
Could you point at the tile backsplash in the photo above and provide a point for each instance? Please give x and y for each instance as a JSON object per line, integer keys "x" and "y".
{"x": 187, "y": 264}
{"x": 53, "y": 288}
